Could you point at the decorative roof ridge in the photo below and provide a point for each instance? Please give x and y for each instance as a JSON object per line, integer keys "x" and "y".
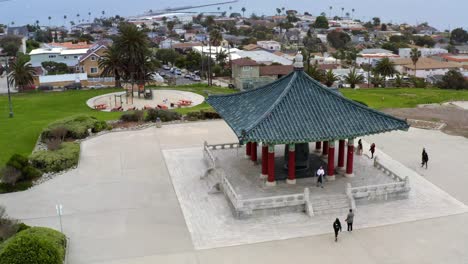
{"x": 354, "y": 102}
{"x": 273, "y": 106}
{"x": 255, "y": 89}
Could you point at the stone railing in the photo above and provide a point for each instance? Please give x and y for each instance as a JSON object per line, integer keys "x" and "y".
{"x": 380, "y": 191}
{"x": 349, "y": 194}
{"x": 378, "y": 164}
{"x": 208, "y": 156}
{"x": 223, "y": 146}
{"x": 245, "y": 207}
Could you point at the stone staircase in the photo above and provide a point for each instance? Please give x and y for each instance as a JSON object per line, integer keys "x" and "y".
{"x": 330, "y": 204}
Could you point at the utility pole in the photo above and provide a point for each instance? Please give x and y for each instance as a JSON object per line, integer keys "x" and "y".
{"x": 209, "y": 63}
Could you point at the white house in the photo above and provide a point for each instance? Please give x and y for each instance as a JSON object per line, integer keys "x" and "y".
{"x": 60, "y": 55}
{"x": 269, "y": 45}
{"x": 425, "y": 52}
{"x": 372, "y": 56}
{"x": 168, "y": 43}
{"x": 425, "y": 67}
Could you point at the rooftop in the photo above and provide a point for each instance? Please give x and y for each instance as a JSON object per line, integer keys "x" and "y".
{"x": 244, "y": 62}
{"x": 425, "y": 64}
{"x": 276, "y": 70}
{"x": 297, "y": 109}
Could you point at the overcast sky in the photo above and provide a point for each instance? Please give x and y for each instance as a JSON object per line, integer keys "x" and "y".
{"x": 441, "y": 14}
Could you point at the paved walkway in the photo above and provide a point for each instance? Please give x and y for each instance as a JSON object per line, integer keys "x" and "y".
{"x": 126, "y": 212}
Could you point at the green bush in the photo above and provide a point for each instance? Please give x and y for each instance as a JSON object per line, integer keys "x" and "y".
{"x": 164, "y": 115}
{"x": 202, "y": 115}
{"x": 76, "y": 127}
{"x": 35, "y": 245}
{"x": 100, "y": 126}
{"x": 134, "y": 116}
{"x": 193, "y": 116}
{"x": 19, "y": 186}
{"x": 17, "y": 170}
{"x": 17, "y": 161}
{"x": 65, "y": 157}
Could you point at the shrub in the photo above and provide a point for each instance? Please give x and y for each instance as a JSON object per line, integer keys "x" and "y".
{"x": 135, "y": 116}
{"x": 17, "y": 161}
{"x": 100, "y": 126}
{"x": 37, "y": 245}
{"x": 8, "y": 226}
{"x": 65, "y": 157}
{"x": 10, "y": 175}
{"x": 164, "y": 115}
{"x": 19, "y": 186}
{"x": 16, "y": 170}
{"x": 76, "y": 127}
{"x": 197, "y": 115}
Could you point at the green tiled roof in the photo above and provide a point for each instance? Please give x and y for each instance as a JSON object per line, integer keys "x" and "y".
{"x": 295, "y": 109}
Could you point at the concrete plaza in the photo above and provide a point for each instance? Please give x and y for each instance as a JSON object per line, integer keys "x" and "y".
{"x": 120, "y": 205}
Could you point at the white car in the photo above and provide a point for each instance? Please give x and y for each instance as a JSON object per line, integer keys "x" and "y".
{"x": 196, "y": 78}
{"x": 166, "y": 67}
{"x": 98, "y": 86}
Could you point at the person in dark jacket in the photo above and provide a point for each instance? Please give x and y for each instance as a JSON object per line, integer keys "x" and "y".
{"x": 372, "y": 150}
{"x": 359, "y": 147}
{"x": 337, "y": 227}
{"x": 425, "y": 158}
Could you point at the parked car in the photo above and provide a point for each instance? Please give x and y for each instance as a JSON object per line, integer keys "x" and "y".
{"x": 162, "y": 74}
{"x": 173, "y": 69}
{"x": 73, "y": 86}
{"x": 166, "y": 67}
{"x": 45, "y": 88}
{"x": 177, "y": 71}
{"x": 97, "y": 86}
{"x": 196, "y": 78}
{"x": 188, "y": 76}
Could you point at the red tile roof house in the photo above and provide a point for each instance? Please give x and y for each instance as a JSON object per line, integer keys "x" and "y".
{"x": 248, "y": 74}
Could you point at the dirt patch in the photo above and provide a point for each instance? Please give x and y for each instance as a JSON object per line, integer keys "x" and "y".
{"x": 455, "y": 118}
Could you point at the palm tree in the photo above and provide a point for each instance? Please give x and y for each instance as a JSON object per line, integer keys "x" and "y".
{"x": 50, "y": 18}
{"x": 354, "y": 78}
{"x": 103, "y": 12}
{"x": 111, "y": 64}
{"x": 21, "y": 73}
{"x": 377, "y": 80}
{"x": 283, "y": 8}
{"x": 415, "y": 54}
{"x": 386, "y": 68}
{"x": 352, "y": 10}
{"x": 278, "y": 10}
{"x": 37, "y": 23}
{"x": 347, "y": 14}
{"x": 89, "y": 16}
{"x": 243, "y": 11}
{"x": 215, "y": 37}
{"x": 330, "y": 78}
{"x": 342, "y": 10}
{"x": 315, "y": 72}
{"x": 65, "y": 20}
{"x": 330, "y": 7}
{"x": 133, "y": 46}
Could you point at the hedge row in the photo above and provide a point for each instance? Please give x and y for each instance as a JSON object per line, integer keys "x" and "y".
{"x": 38, "y": 245}
{"x": 75, "y": 127}
{"x": 65, "y": 157}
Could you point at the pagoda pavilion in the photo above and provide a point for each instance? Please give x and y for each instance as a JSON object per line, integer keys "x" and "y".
{"x": 296, "y": 110}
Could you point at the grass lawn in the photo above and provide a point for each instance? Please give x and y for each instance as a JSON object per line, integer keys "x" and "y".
{"x": 34, "y": 111}
{"x": 381, "y": 98}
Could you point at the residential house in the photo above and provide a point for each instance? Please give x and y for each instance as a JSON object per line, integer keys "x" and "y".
{"x": 275, "y": 71}
{"x": 269, "y": 45}
{"x": 168, "y": 43}
{"x": 372, "y": 56}
{"x": 246, "y": 74}
{"x": 462, "y": 59}
{"x": 425, "y": 67}
{"x": 89, "y": 62}
{"x": 18, "y": 31}
{"x": 264, "y": 57}
{"x": 235, "y": 40}
{"x": 251, "y": 47}
{"x": 60, "y": 55}
{"x": 185, "y": 46}
{"x": 425, "y": 52}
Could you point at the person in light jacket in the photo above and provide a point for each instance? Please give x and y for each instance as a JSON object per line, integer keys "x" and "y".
{"x": 349, "y": 220}
{"x": 320, "y": 175}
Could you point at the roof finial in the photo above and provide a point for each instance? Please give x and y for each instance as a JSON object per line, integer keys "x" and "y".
{"x": 298, "y": 61}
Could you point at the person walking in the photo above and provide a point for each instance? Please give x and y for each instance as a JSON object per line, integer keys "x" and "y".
{"x": 359, "y": 147}
{"x": 372, "y": 150}
{"x": 320, "y": 175}
{"x": 336, "y": 228}
{"x": 349, "y": 220}
{"x": 425, "y": 158}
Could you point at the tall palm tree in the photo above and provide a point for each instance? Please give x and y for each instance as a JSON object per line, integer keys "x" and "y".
{"x": 354, "y": 78}
{"x": 50, "y": 18}
{"x": 103, "y": 12}
{"x": 133, "y": 45}
{"x": 415, "y": 54}
{"x": 352, "y": 10}
{"x": 89, "y": 16}
{"x": 37, "y": 23}
{"x": 385, "y": 67}
{"x": 111, "y": 64}
{"x": 330, "y": 7}
{"x": 243, "y": 11}
{"x": 65, "y": 20}
{"x": 330, "y": 78}
{"x": 283, "y": 8}
{"x": 278, "y": 10}
{"x": 21, "y": 73}
{"x": 342, "y": 10}
{"x": 347, "y": 14}
{"x": 215, "y": 37}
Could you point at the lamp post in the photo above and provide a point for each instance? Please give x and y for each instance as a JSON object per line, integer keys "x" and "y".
{"x": 8, "y": 87}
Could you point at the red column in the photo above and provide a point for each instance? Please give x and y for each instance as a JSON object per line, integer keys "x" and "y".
{"x": 341, "y": 154}
{"x": 253, "y": 151}
{"x": 331, "y": 160}
{"x": 271, "y": 166}
{"x": 264, "y": 160}
{"x": 318, "y": 146}
{"x": 325, "y": 148}
{"x": 248, "y": 149}
{"x": 291, "y": 165}
{"x": 350, "y": 158}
